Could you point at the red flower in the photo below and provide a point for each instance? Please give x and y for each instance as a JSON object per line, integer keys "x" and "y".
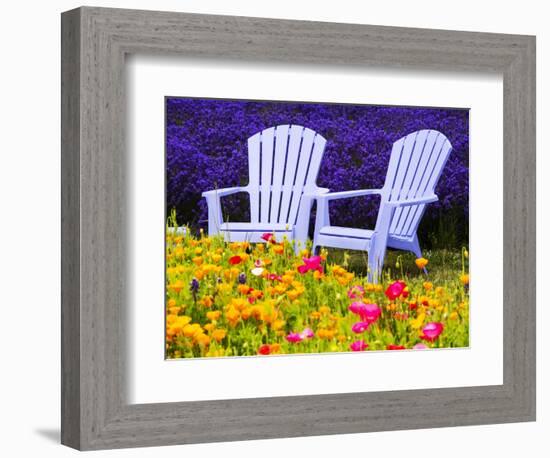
{"x": 313, "y": 263}
{"x": 264, "y": 349}
{"x": 395, "y": 290}
{"x": 431, "y": 331}
{"x": 235, "y": 260}
{"x": 395, "y": 347}
{"x": 268, "y": 237}
{"x": 358, "y": 345}
{"x": 360, "y": 326}
{"x": 367, "y": 312}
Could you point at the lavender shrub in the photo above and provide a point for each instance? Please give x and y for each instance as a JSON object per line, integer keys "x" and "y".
{"x": 206, "y": 148}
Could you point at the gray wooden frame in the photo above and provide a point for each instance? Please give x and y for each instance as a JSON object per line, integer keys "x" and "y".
{"x": 95, "y": 413}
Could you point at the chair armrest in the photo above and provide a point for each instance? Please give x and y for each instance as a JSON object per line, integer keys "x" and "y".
{"x": 315, "y": 193}
{"x": 347, "y": 194}
{"x": 414, "y": 201}
{"x": 224, "y": 191}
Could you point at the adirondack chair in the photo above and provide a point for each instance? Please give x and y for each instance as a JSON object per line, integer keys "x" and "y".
{"x": 283, "y": 163}
{"x": 416, "y": 163}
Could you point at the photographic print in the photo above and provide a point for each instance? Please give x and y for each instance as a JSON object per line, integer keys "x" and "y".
{"x": 300, "y": 227}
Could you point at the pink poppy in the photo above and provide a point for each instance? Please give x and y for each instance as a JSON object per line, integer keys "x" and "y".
{"x": 274, "y": 277}
{"x": 358, "y": 345}
{"x": 368, "y": 312}
{"x": 258, "y": 263}
{"x": 307, "y": 333}
{"x": 313, "y": 263}
{"x": 294, "y": 337}
{"x": 268, "y": 237}
{"x": 431, "y": 331}
{"x": 395, "y": 290}
{"x": 356, "y": 292}
{"x": 420, "y": 346}
{"x": 360, "y": 326}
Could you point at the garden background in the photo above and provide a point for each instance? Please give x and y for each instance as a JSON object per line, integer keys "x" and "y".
{"x": 206, "y": 148}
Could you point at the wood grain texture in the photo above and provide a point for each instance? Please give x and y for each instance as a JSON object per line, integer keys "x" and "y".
{"x": 95, "y": 411}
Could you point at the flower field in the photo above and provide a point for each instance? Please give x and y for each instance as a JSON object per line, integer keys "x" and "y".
{"x": 239, "y": 299}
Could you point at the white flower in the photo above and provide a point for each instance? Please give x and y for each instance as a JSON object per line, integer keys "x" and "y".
{"x": 257, "y": 271}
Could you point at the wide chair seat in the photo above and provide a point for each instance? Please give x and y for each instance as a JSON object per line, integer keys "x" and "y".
{"x": 345, "y": 237}
{"x": 252, "y": 232}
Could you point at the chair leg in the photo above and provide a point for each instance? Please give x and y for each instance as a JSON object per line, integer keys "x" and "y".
{"x": 374, "y": 267}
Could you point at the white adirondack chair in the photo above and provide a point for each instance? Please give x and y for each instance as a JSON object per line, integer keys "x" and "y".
{"x": 283, "y": 164}
{"x": 416, "y": 163}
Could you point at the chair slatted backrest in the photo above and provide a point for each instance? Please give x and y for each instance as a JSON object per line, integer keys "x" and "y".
{"x": 283, "y": 162}
{"x": 416, "y": 163}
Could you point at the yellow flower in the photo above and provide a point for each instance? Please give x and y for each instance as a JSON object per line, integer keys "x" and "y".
{"x": 213, "y": 315}
{"x": 174, "y": 310}
{"x": 219, "y": 334}
{"x": 326, "y": 333}
{"x": 202, "y": 339}
{"x": 465, "y": 279}
{"x": 428, "y": 285}
{"x": 198, "y": 251}
{"x": 418, "y": 321}
{"x": 243, "y": 289}
{"x": 176, "y": 287}
{"x": 256, "y": 293}
{"x": 317, "y": 275}
{"x": 199, "y": 274}
{"x": 238, "y": 303}
{"x": 216, "y": 258}
{"x": 209, "y": 327}
{"x": 453, "y": 316}
{"x": 275, "y": 347}
{"x": 278, "y": 249}
{"x": 287, "y": 279}
{"x": 171, "y": 303}
{"x": 277, "y": 324}
{"x": 421, "y": 263}
{"x": 197, "y": 260}
{"x": 207, "y": 301}
{"x": 324, "y": 309}
{"x": 439, "y": 291}
{"x": 293, "y": 294}
{"x": 232, "y": 316}
{"x": 170, "y": 319}
{"x": 177, "y": 325}
{"x": 224, "y": 288}
{"x": 279, "y": 289}
{"x": 191, "y": 329}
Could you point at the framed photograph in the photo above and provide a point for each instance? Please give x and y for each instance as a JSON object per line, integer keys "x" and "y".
{"x": 335, "y": 220}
